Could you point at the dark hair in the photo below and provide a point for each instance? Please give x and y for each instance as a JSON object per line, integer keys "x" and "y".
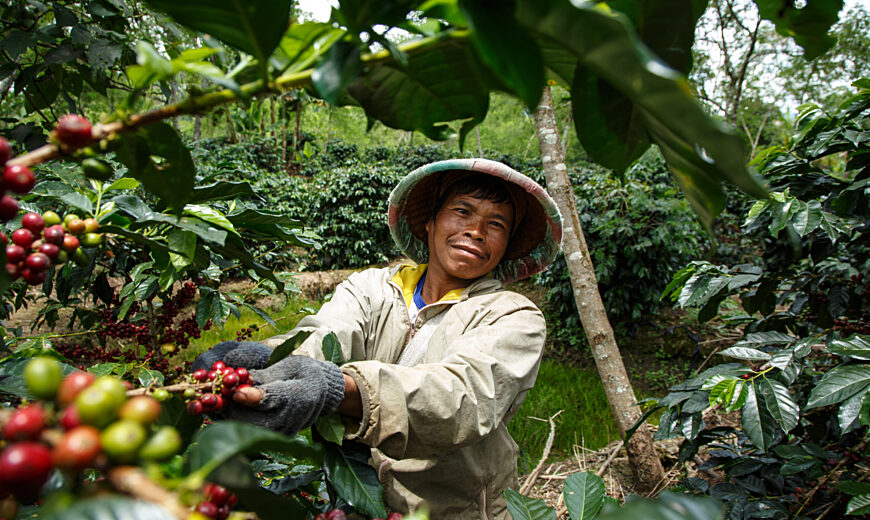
{"x": 478, "y": 185}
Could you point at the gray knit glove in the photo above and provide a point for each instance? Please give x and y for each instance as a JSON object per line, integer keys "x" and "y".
{"x": 296, "y": 391}
{"x": 235, "y": 354}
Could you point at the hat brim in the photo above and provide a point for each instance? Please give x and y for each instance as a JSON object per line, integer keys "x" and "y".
{"x": 533, "y": 245}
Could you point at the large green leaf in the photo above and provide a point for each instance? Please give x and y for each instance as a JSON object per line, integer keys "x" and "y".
{"x": 157, "y": 157}
{"x": 524, "y": 508}
{"x": 669, "y": 506}
{"x": 220, "y": 441}
{"x": 698, "y": 151}
{"x": 253, "y": 26}
{"x": 856, "y": 346}
{"x": 584, "y": 495}
{"x": 506, "y": 47}
{"x": 839, "y": 384}
{"x": 848, "y": 416}
{"x": 338, "y": 68}
{"x": 354, "y": 479}
{"x": 749, "y": 354}
{"x": 859, "y": 505}
{"x": 221, "y": 190}
{"x": 779, "y": 403}
{"x": 443, "y": 82}
{"x": 111, "y": 508}
{"x": 303, "y": 44}
{"x": 808, "y": 24}
{"x": 758, "y": 424}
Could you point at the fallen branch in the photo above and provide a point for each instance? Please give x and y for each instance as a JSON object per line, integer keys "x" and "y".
{"x": 610, "y": 458}
{"x": 533, "y": 476}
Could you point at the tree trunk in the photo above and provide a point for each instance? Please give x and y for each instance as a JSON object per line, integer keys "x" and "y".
{"x": 647, "y": 467}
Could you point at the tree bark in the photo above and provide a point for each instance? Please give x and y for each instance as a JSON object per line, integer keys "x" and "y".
{"x": 647, "y": 467}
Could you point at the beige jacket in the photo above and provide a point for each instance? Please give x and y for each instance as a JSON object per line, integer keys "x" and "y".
{"x": 438, "y": 430}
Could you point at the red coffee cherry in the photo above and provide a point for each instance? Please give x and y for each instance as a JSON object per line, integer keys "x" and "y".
{"x": 15, "y": 253}
{"x": 23, "y": 237}
{"x": 34, "y": 222}
{"x": 37, "y": 262}
{"x": 200, "y": 375}
{"x": 8, "y": 208}
{"x": 73, "y": 130}
{"x": 50, "y": 250}
{"x": 25, "y": 424}
{"x": 77, "y": 449}
{"x": 69, "y": 243}
{"x": 207, "y": 508}
{"x": 32, "y": 277}
{"x": 24, "y": 468}
{"x": 13, "y": 271}
{"x": 218, "y": 494}
{"x": 18, "y": 179}
{"x": 195, "y": 407}
{"x": 54, "y": 234}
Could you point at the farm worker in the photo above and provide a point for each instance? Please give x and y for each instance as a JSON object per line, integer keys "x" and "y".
{"x": 442, "y": 355}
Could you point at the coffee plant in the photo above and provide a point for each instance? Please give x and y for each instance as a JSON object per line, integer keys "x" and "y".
{"x": 801, "y": 379}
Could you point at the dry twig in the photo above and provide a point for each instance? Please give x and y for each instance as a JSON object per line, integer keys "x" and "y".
{"x": 132, "y": 480}
{"x": 533, "y": 476}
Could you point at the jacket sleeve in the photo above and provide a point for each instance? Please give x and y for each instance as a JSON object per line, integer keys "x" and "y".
{"x": 431, "y": 408}
{"x": 346, "y": 314}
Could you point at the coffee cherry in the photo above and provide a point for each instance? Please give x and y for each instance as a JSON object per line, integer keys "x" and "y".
{"x": 394, "y": 516}
{"x": 15, "y": 254}
{"x": 336, "y": 514}
{"x": 122, "y": 439}
{"x": 23, "y": 237}
{"x": 69, "y": 418}
{"x": 42, "y": 375}
{"x": 91, "y": 225}
{"x": 5, "y": 151}
{"x": 92, "y": 239}
{"x": 25, "y": 424}
{"x": 24, "y": 468}
{"x": 76, "y": 226}
{"x": 142, "y": 409}
{"x": 72, "y": 385}
{"x": 12, "y": 271}
{"x": 32, "y": 277}
{"x": 163, "y": 444}
{"x": 244, "y": 375}
{"x": 73, "y": 130}
{"x": 70, "y": 243}
{"x": 77, "y": 449}
{"x": 195, "y": 407}
{"x": 209, "y": 401}
{"x": 50, "y": 250}
{"x": 18, "y": 179}
{"x": 34, "y": 222}
{"x": 51, "y": 218}
{"x": 217, "y": 494}
{"x": 161, "y": 395}
{"x": 37, "y": 262}
{"x": 207, "y": 508}
{"x": 217, "y": 366}
{"x": 200, "y": 375}
{"x": 54, "y": 234}
{"x": 8, "y": 208}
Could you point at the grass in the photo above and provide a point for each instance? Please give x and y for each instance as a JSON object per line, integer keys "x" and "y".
{"x": 285, "y": 316}
{"x": 585, "y": 421}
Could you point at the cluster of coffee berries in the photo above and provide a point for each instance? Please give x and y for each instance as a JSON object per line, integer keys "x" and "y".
{"x": 391, "y": 516}
{"x": 80, "y": 421}
{"x": 43, "y": 241}
{"x": 15, "y": 179}
{"x": 73, "y": 131}
{"x": 218, "y": 501}
{"x": 246, "y": 332}
{"x": 225, "y": 380}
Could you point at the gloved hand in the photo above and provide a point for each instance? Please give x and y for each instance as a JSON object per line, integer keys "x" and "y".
{"x": 295, "y": 392}
{"x": 236, "y": 354}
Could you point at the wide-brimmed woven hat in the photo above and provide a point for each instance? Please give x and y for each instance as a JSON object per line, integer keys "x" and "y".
{"x": 537, "y": 233}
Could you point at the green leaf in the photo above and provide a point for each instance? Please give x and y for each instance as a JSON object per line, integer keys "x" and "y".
{"x": 668, "y": 506}
{"x": 855, "y": 346}
{"x": 285, "y": 349}
{"x": 182, "y": 245}
{"x": 261, "y": 313}
{"x": 702, "y": 288}
{"x": 331, "y": 428}
{"x": 171, "y": 175}
{"x": 78, "y": 201}
{"x": 252, "y": 26}
{"x": 303, "y": 44}
{"x": 749, "y": 354}
{"x": 839, "y": 384}
{"x": 331, "y": 349}
{"x": 212, "y": 306}
{"x": 807, "y": 25}
{"x": 808, "y": 218}
{"x": 124, "y": 183}
{"x": 506, "y": 47}
{"x": 859, "y": 505}
{"x": 759, "y": 426}
{"x": 149, "y": 377}
{"x": 111, "y": 508}
{"x": 849, "y": 413}
{"x": 852, "y": 487}
{"x": 354, "y": 479}
{"x": 584, "y": 495}
{"x": 221, "y": 190}
{"x": 442, "y": 82}
{"x": 218, "y": 442}
{"x": 338, "y": 69}
{"x": 210, "y": 215}
{"x": 779, "y": 403}
{"x": 236, "y": 475}
{"x": 760, "y": 339}
{"x": 524, "y": 508}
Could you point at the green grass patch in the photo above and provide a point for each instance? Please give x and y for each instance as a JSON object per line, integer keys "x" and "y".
{"x": 286, "y": 317}
{"x": 585, "y": 421}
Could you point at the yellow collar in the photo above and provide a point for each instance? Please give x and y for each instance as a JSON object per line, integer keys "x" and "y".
{"x": 407, "y": 277}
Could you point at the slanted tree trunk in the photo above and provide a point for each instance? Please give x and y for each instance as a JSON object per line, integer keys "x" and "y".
{"x": 647, "y": 467}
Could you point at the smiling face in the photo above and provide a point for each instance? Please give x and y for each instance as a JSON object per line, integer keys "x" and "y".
{"x": 468, "y": 237}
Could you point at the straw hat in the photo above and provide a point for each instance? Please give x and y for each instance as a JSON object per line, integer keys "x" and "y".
{"x": 537, "y": 231}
